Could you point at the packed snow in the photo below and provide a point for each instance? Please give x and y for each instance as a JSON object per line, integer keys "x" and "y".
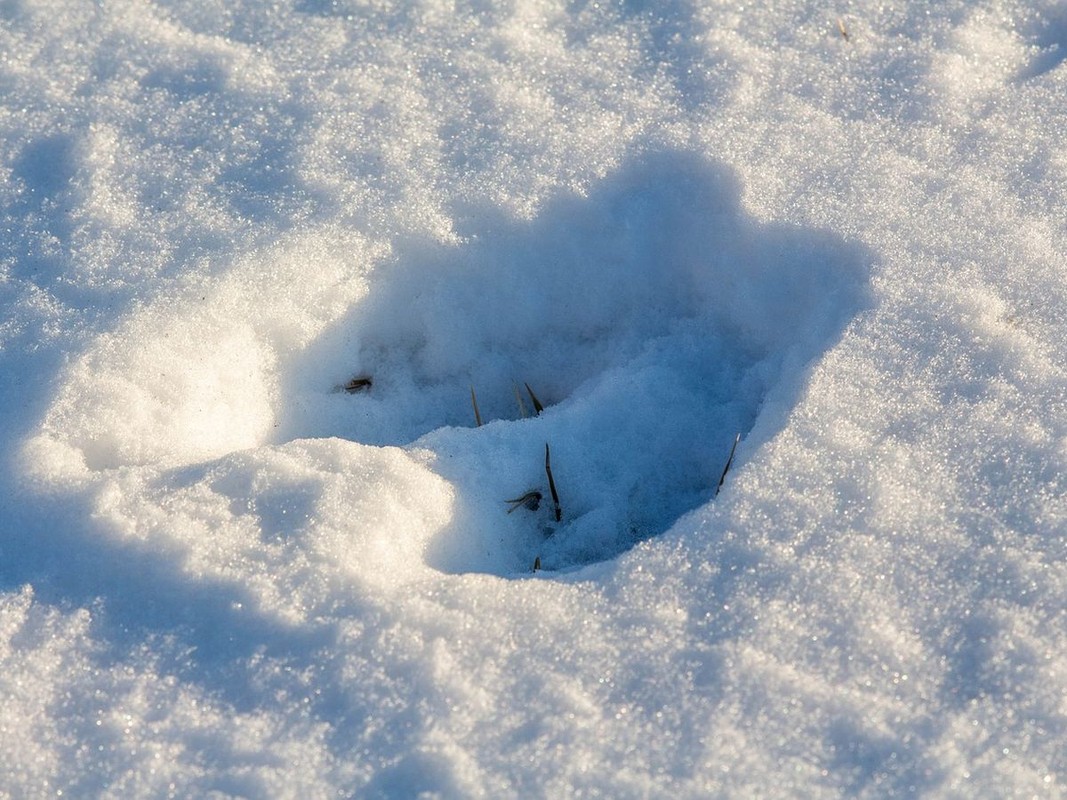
{"x": 370, "y": 373}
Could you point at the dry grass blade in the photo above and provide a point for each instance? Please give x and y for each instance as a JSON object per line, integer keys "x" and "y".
{"x": 841, "y": 27}
{"x": 552, "y": 485}
{"x": 538, "y": 408}
{"x": 530, "y": 500}
{"x": 477, "y": 414}
{"x": 518, "y": 399}
{"x": 360, "y": 383}
{"x": 729, "y": 461}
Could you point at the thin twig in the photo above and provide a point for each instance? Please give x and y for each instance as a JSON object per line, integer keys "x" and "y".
{"x": 552, "y": 484}
{"x": 477, "y": 415}
{"x": 729, "y": 461}
{"x": 360, "y": 383}
{"x": 531, "y": 500}
{"x": 538, "y": 408}
{"x": 518, "y": 399}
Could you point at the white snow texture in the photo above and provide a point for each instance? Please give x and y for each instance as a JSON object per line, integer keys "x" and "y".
{"x": 284, "y": 285}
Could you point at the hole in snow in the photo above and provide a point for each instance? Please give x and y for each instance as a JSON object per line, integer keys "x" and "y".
{"x": 652, "y": 317}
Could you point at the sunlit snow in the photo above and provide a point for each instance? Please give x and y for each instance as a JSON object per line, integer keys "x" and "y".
{"x": 836, "y": 234}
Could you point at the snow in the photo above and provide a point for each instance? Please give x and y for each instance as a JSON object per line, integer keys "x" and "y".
{"x": 837, "y": 231}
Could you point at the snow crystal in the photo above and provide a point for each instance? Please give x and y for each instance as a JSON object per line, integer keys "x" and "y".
{"x": 837, "y": 232}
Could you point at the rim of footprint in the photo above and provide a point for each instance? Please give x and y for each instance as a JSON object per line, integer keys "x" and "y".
{"x": 334, "y": 419}
{"x": 583, "y": 379}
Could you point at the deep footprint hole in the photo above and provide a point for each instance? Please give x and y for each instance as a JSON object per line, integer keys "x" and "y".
{"x": 652, "y": 318}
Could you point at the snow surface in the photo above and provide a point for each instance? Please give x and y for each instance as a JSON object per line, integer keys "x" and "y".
{"x": 839, "y": 231}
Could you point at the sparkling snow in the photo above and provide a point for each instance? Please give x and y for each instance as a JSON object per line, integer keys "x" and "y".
{"x": 839, "y": 231}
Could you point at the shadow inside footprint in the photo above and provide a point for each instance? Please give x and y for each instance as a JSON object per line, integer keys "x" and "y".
{"x": 1047, "y": 30}
{"x": 652, "y": 317}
